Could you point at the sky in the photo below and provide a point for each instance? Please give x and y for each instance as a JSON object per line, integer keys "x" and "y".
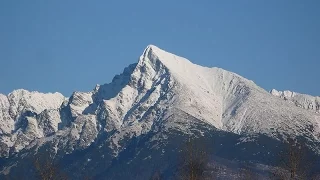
{"x": 67, "y": 46}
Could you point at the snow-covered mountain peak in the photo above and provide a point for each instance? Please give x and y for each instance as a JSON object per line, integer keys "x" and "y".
{"x": 24, "y": 92}
{"x": 34, "y": 101}
{"x": 152, "y": 104}
{"x": 187, "y": 72}
{"x": 143, "y": 96}
{"x": 301, "y": 100}
{"x": 154, "y": 54}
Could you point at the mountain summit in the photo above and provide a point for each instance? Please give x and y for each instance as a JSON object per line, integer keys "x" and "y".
{"x": 161, "y": 94}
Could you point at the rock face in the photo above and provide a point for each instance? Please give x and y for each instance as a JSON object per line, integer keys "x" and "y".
{"x": 160, "y": 94}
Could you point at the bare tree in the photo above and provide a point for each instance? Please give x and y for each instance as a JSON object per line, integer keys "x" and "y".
{"x": 293, "y": 161}
{"x": 194, "y": 162}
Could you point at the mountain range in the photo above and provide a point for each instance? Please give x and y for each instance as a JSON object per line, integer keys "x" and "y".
{"x": 138, "y": 122}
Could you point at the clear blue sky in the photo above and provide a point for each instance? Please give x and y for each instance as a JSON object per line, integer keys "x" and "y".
{"x": 63, "y": 45}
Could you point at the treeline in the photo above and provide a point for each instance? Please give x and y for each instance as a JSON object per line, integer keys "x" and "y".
{"x": 294, "y": 162}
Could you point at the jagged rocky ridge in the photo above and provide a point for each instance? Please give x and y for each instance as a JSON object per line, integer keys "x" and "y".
{"x": 301, "y": 100}
{"x": 156, "y": 96}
